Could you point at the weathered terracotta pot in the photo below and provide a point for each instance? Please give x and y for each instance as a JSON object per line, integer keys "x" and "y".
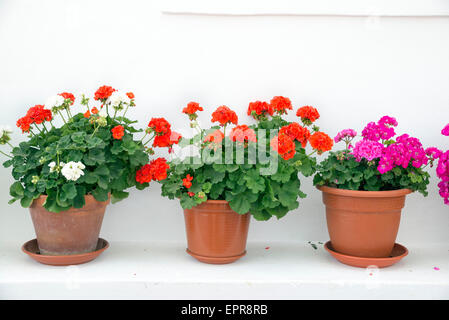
{"x": 74, "y": 231}
{"x": 215, "y": 233}
{"x": 363, "y": 223}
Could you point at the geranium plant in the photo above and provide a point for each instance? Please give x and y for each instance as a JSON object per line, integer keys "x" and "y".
{"x": 442, "y": 168}
{"x": 253, "y": 167}
{"x": 380, "y": 161}
{"x": 92, "y": 152}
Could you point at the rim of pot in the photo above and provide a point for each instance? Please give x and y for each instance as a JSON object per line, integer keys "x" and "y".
{"x": 365, "y": 194}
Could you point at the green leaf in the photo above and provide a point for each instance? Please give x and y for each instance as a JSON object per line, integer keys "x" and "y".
{"x": 118, "y": 196}
{"x": 69, "y": 190}
{"x": 16, "y": 190}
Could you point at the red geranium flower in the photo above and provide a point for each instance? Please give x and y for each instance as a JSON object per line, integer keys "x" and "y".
{"x": 224, "y": 115}
{"x": 68, "y": 95}
{"x": 186, "y": 182}
{"x": 24, "y": 123}
{"x": 159, "y": 125}
{"x": 283, "y": 145}
{"x": 215, "y": 137}
{"x": 167, "y": 140}
{"x": 130, "y": 95}
{"x": 281, "y": 104}
{"x": 296, "y": 132}
{"x": 103, "y": 92}
{"x": 159, "y": 169}
{"x": 118, "y": 132}
{"x": 87, "y": 114}
{"x": 321, "y": 142}
{"x": 39, "y": 114}
{"x": 242, "y": 133}
{"x": 308, "y": 114}
{"x": 94, "y": 110}
{"x": 191, "y": 194}
{"x": 155, "y": 170}
{"x": 192, "y": 107}
{"x": 259, "y": 110}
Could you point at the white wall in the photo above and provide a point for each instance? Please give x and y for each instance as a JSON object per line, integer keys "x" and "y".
{"x": 353, "y": 69}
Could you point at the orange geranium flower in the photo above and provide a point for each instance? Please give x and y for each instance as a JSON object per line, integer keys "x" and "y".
{"x": 242, "y": 133}
{"x": 308, "y": 114}
{"x": 321, "y": 142}
{"x": 281, "y": 104}
{"x": 296, "y": 132}
{"x": 215, "y": 137}
{"x": 259, "y": 110}
{"x": 283, "y": 145}
{"x": 224, "y": 116}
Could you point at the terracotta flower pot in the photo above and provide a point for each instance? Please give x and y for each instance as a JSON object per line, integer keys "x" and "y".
{"x": 74, "y": 231}
{"x": 215, "y": 233}
{"x": 363, "y": 223}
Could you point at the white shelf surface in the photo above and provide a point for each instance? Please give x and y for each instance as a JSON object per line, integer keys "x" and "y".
{"x": 276, "y": 270}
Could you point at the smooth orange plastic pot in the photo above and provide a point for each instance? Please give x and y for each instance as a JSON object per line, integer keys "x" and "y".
{"x": 215, "y": 233}
{"x": 363, "y": 223}
{"x": 74, "y": 231}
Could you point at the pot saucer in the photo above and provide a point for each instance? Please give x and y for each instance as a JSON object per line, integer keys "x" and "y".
{"x": 398, "y": 252}
{"x": 215, "y": 260}
{"x": 31, "y": 248}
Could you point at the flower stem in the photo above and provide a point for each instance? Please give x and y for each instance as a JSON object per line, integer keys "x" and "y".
{"x": 63, "y": 119}
{"x": 9, "y": 156}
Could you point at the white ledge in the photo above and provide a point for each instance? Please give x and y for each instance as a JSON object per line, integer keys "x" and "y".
{"x": 395, "y": 8}
{"x": 164, "y": 271}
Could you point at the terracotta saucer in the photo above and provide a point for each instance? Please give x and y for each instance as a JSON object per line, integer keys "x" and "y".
{"x": 399, "y": 252}
{"x": 31, "y": 249}
{"x": 215, "y": 260}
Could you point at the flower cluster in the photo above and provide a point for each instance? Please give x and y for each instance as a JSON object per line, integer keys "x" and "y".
{"x": 5, "y": 134}
{"x": 321, "y": 142}
{"x": 345, "y": 135}
{"x": 367, "y": 149}
{"x": 155, "y": 170}
{"x": 308, "y": 114}
{"x": 191, "y": 110}
{"x": 35, "y": 115}
{"x": 72, "y": 171}
{"x": 243, "y": 134}
{"x": 296, "y": 132}
{"x": 377, "y": 143}
{"x": 281, "y": 104}
{"x": 260, "y": 110}
{"x": 187, "y": 181}
{"x": 442, "y": 169}
{"x": 283, "y": 145}
{"x": 382, "y": 130}
{"x": 224, "y": 116}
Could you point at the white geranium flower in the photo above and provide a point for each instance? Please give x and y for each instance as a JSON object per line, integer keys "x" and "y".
{"x": 52, "y": 166}
{"x": 54, "y": 101}
{"x": 72, "y": 171}
{"x": 102, "y": 113}
{"x": 117, "y": 98}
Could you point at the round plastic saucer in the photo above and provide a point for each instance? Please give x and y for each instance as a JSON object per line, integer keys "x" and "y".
{"x": 398, "y": 252}
{"x": 31, "y": 248}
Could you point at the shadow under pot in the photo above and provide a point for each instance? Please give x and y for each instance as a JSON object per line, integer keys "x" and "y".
{"x": 215, "y": 233}
{"x": 363, "y": 223}
{"x": 70, "y": 232}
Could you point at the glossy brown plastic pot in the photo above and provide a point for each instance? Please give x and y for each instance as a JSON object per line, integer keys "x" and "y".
{"x": 215, "y": 233}
{"x": 74, "y": 231}
{"x": 363, "y": 223}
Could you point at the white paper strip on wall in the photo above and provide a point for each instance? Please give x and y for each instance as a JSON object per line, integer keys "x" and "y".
{"x": 400, "y": 8}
